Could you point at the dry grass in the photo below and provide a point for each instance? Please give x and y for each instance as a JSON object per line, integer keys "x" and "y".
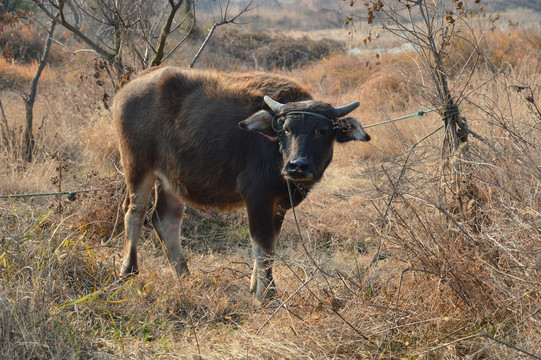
{"x": 423, "y": 281}
{"x": 20, "y": 74}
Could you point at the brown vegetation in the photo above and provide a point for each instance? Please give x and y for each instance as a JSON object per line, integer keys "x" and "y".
{"x": 21, "y": 42}
{"x": 233, "y": 50}
{"x": 411, "y": 277}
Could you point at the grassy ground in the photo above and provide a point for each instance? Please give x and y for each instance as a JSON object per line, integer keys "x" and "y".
{"x": 409, "y": 278}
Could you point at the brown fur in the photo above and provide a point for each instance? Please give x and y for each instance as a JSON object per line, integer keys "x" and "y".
{"x": 183, "y": 98}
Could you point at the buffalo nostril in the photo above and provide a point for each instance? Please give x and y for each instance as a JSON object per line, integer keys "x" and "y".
{"x": 298, "y": 165}
{"x": 298, "y": 169}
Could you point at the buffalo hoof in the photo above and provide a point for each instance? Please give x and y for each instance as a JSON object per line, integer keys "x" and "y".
{"x": 181, "y": 269}
{"x": 265, "y": 292}
{"x": 263, "y": 287}
{"x": 128, "y": 269}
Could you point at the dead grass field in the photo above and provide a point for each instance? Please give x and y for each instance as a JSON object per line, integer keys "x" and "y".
{"x": 409, "y": 278}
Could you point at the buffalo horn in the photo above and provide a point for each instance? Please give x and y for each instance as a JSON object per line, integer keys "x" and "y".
{"x": 346, "y": 109}
{"x": 275, "y": 106}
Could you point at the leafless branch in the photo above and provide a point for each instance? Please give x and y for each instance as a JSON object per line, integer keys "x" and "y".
{"x": 166, "y": 30}
{"x": 62, "y": 20}
{"x": 223, "y": 20}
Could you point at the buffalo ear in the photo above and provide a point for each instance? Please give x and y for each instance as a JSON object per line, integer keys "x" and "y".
{"x": 349, "y": 129}
{"x": 261, "y": 122}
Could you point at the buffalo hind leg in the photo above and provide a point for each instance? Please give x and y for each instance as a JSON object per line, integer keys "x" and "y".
{"x": 136, "y": 203}
{"x": 166, "y": 220}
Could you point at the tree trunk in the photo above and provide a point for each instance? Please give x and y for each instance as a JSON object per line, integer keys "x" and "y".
{"x": 159, "y": 54}
{"x": 28, "y": 140}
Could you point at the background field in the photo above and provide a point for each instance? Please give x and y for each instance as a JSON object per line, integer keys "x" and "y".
{"x": 411, "y": 276}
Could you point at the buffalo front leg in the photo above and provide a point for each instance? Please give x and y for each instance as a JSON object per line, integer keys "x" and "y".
{"x": 265, "y": 225}
{"x": 262, "y": 282}
{"x": 167, "y": 219}
{"x": 136, "y": 203}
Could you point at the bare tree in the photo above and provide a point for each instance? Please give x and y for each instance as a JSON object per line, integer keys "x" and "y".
{"x": 30, "y": 97}
{"x": 430, "y": 28}
{"x": 113, "y": 28}
{"x": 148, "y": 31}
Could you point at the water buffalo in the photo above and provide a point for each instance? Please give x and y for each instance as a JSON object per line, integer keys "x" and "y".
{"x": 222, "y": 140}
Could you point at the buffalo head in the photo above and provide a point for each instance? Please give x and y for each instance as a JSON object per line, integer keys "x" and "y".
{"x": 306, "y": 131}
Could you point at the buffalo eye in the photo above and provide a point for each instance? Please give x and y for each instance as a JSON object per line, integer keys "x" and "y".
{"x": 321, "y": 132}
{"x": 287, "y": 131}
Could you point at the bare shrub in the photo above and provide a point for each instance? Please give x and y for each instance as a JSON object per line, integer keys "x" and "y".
{"x": 267, "y": 52}
{"x": 482, "y": 255}
{"x": 22, "y": 42}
